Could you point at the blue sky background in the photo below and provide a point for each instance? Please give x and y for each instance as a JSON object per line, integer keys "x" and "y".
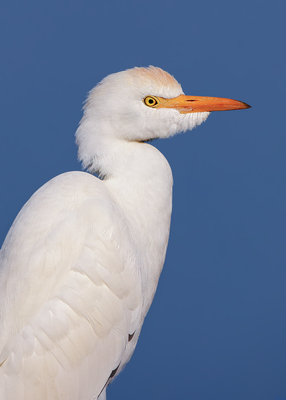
{"x": 217, "y": 327}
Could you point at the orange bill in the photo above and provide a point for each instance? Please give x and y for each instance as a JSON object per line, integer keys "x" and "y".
{"x": 189, "y": 104}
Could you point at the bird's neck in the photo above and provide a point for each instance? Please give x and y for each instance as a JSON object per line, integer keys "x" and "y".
{"x": 141, "y": 182}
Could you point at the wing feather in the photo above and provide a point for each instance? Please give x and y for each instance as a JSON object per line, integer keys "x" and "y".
{"x": 70, "y": 292}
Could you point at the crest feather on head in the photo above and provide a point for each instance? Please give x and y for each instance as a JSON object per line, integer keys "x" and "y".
{"x": 155, "y": 74}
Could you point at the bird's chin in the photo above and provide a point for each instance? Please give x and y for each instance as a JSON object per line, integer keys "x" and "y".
{"x": 186, "y": 122}
{"x": 192, "y": 120}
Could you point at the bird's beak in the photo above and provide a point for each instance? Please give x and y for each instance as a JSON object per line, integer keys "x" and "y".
{"x": 189, "y": 104}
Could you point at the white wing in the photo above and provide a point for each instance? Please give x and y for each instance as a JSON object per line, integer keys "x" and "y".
{"x": 70, "y": 293}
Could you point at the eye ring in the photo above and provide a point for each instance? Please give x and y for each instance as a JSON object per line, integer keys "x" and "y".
{"x": 151, "y": 101}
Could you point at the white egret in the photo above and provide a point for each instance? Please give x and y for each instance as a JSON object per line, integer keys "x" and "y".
{"x": 81, "y": 262}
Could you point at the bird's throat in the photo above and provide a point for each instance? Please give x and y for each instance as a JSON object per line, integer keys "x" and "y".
{"x": 142, "y": 186}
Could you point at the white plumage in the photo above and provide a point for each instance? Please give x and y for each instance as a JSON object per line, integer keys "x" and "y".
{"x": 81, "y": 262}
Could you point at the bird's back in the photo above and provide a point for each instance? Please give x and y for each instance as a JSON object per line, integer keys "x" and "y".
{"x": 70, "y": 293}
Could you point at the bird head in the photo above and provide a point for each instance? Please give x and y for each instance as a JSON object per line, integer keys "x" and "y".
{"x": 141, "y": 104}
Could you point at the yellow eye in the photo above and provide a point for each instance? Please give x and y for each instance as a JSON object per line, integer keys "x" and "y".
{"x": 151, "y": 101}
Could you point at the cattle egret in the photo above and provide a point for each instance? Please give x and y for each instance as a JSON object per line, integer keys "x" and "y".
{"x": 81, "y": 262}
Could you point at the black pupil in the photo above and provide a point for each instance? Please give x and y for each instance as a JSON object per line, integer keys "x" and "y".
{"x": 151, "y": 101}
